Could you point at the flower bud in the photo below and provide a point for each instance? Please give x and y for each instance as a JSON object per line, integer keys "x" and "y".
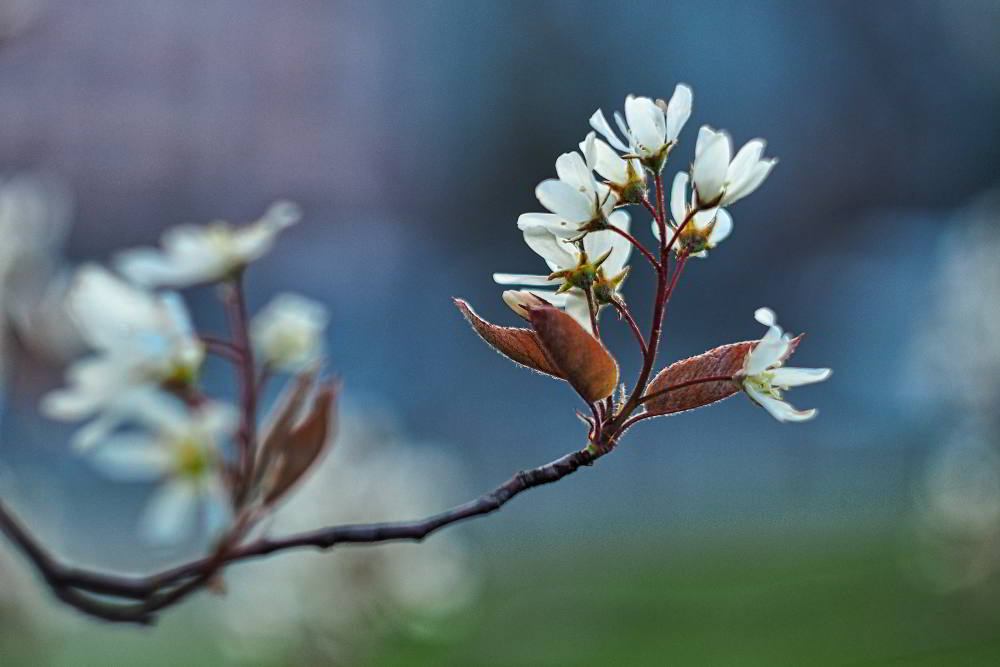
{"x": 522, "y": 301}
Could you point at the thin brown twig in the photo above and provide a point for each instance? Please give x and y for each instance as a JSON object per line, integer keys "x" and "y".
{"x": 236, "y": 308}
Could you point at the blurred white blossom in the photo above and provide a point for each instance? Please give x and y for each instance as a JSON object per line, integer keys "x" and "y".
{"x": 288, "y": 332}
{"x": 194, "y": 254}
{"x": 182, "y": 450}
{"x": 34, "y": 219}
{"x": 138, "y": 337}
{"x": 764, "y": 376}
{"x": 314, "y": 608}
{"x": 955, "y": 363}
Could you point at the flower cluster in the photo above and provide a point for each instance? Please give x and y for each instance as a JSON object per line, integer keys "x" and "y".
{"x": 138, "y": 390}
{"x": 586, "y": 239}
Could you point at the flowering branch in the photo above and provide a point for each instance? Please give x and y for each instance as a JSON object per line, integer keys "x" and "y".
{"x": 149, "y": 420}
{"x": 169, "y": 587}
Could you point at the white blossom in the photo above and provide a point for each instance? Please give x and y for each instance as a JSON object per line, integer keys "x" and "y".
{"x": 719, "y": 181}
{"x": 624, "y": 176}
{"x": 764, "y": 377}
{"x": 194, "y": 254}
{"x": 287, "y": 334}
{"x": 139, "y": 338}
{"x": 706, "y": 229}
{"x": 35, "y": 214}
{"x": 561, "y": 255}
{"x": 650, "y": 129}
{"x": 180, "y": 449}
{"x": 574, "y": 199}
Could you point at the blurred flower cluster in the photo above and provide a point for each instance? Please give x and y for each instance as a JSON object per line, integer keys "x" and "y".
{"x": 138, "y": 391}
{"x": 956, "y": 359}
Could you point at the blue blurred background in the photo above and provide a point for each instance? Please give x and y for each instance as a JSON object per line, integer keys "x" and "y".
{"x": 413, "y": 134}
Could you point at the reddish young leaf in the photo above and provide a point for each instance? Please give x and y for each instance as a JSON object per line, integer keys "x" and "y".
{"x": 723, "y": 361}
{"x": 285, "y": 414}
{"x": 304, "y": 445}
{"x": 583, "y": 360}
{"x": 519, "y": 345}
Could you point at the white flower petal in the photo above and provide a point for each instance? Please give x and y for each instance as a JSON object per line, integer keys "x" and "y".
{"x": 621, "y": 247}
{"x": 678, "y": 111}
{"x": 794, "y": 377}
{"x": 578, "y": 308}
{"x": 705, "y": 136}
{"x": 753, "y": 181}
{"x": 572, "y": 169}
{"x": 678, "y": 197}
{"x": 766, "y": 317}
{"x": 744, "y": 161}
{"x": 523, "y": 279}
{"x": 610, "y": 165}
{"x": 557, "y": 300}
{"x": 722, "y": 229}
{"x": 132, "y": 457}
{"x": 556, "y": 253}
{"x": 709, "y": 171}
{"x": 765, "y": 354}
{"x": 564, "y": 200}
{"x": 288, "y": 332}
{"x": 600, "y": 123}
{"x": 550, "y": 221}
{"x": 646, "y": 124}
{"x": 588, "y": 148}
{"x": 778, "y": 409}
{"x": 169, "y": 516}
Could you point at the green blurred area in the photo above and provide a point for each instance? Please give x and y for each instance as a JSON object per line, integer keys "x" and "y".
{"x": 732, "y": 602}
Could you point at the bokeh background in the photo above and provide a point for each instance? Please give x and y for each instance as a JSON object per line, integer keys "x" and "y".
{"x": 413, "y": 134}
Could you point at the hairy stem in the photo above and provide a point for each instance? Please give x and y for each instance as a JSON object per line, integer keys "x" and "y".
{"x": 637, "y": 245}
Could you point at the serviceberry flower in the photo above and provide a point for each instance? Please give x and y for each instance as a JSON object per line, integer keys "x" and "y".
{"x": 719, "y": 182}
{"x": 764, "y": 377}
{"x": 706, "y": 229}
{"x": 139, "y": 338}
{"x": 576, "y": 200}
{"x": 626, "y": 177}
{"x": 182, "y": 450}
{"x": 650, "y": 128}
{"x": 287, "y": 333}
{"x": 599, "y": 261}
{"x": 194, "y": 254}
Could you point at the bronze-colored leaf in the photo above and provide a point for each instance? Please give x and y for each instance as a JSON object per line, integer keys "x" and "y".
{"x": 285, "y": 414}
{"x": 723, "y": 361}
{"x": 519, "y": 345}
{"x": 581, "y": 358}
{"x": 304, "y": 445}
